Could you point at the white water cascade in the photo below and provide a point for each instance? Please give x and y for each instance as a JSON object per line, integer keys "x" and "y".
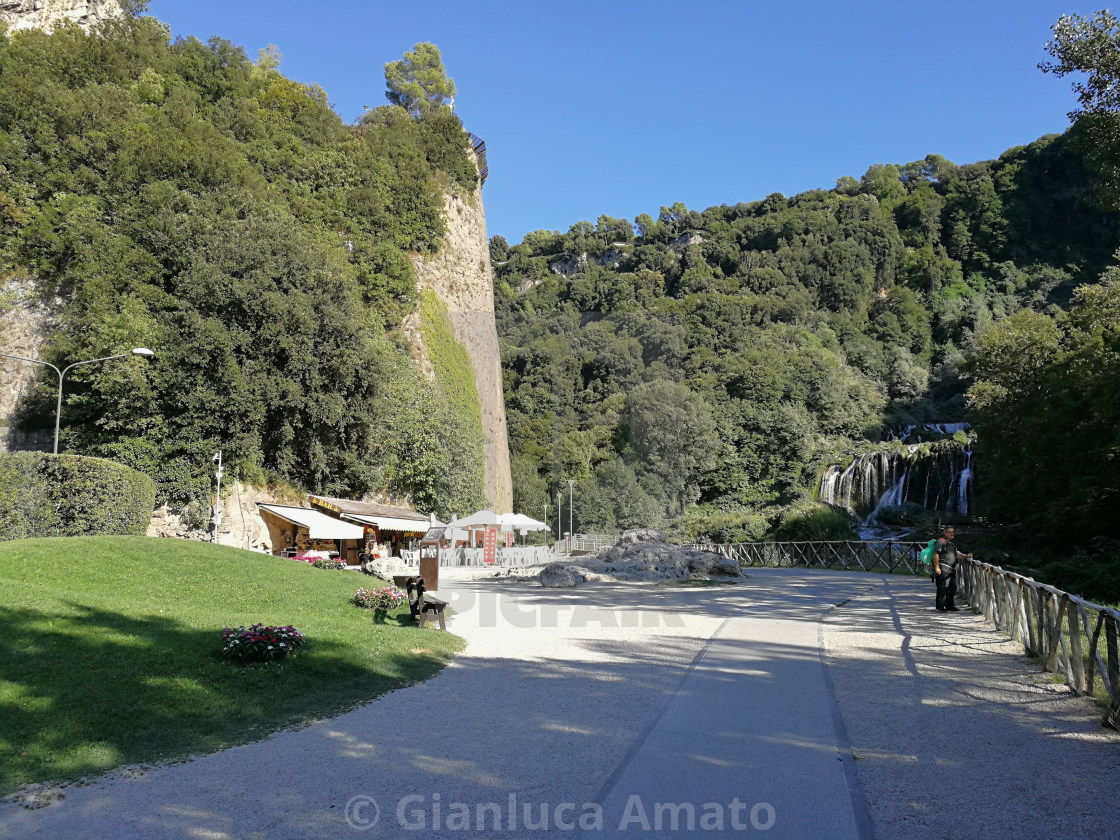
{"x": 964, "y": 483}
{"x": 937, "y": 476}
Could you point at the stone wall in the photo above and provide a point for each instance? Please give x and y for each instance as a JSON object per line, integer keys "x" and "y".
{"x": 44, "y": 14}
{"x": 460, "y": 276}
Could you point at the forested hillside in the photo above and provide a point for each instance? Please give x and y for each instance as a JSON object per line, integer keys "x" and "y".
{"x": 701, "y": 368}
{"x": 179, "y": 196}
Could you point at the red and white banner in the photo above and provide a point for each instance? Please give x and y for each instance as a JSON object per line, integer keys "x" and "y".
{"x": 490, "y": 546}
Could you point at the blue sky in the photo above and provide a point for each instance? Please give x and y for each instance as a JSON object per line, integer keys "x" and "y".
{"x": 622, "y": 107}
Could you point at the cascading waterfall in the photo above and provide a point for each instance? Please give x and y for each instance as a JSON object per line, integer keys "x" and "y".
{"x": 964, "y": 483}
{"x": 892, "y": 498}
{"x": 937, "y": 476}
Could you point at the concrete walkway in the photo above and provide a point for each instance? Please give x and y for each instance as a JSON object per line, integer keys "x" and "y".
{"x": 797, "y": 704}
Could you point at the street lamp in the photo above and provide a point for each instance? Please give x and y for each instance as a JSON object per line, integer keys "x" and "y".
{"x": 217, "y": 518}
{"x": 138, "y": 351}
{"x": 571, "y": 527}
{"x": 559, "y": 497}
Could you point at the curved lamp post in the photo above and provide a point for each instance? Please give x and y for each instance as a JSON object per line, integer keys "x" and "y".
{"x": 138, "y": 351}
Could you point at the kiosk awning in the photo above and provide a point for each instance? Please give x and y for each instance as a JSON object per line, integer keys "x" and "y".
{"x": 319, "y": 526}
{"x": 391, "y": 523}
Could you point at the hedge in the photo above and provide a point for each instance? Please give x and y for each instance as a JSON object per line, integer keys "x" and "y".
{"x": 45, "y": 495}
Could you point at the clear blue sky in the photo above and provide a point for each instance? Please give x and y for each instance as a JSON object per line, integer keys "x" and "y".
{"x": 622, "y": 107}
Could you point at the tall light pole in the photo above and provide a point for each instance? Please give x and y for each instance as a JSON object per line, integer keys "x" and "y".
{"x": 571, "y": 527}
{"x": 217, "y": 459}
{"x": 138, "y": 351}
{"x": 559, "y": 498}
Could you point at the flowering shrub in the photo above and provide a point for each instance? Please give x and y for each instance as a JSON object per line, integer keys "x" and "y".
{"x": 384, "y": 598}
{"x": 328, "y": 563}
{"x": 260, "y": 643}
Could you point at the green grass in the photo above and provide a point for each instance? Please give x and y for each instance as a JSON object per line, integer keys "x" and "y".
{"x": 109, "y": 651}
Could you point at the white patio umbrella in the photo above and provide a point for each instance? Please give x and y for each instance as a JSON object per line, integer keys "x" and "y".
{"x": 479, "y": 519}
{"x": 521, "y": 522}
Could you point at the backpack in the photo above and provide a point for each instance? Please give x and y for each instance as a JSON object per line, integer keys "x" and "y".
{"x": 927, "y": 557}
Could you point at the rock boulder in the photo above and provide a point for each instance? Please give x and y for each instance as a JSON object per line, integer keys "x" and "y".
{"x": 641, "y": 554}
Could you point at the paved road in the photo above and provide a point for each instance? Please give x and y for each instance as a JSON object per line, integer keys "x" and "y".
{"x": 796, "y": 705}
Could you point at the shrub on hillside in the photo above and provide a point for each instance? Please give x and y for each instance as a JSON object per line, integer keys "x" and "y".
{"x": 812, "y": 521}
{"x": 45, "y": 495}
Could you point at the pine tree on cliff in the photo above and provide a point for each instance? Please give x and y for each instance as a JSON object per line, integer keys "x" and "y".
{"x": 418, "y": 82}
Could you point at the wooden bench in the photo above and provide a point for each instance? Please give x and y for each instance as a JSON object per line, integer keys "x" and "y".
{"x": 424, "y": 606}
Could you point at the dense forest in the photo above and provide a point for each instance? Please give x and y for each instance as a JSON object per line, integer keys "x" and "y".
{"x": 699, "y": 369}
{"x": 177, "y": 195}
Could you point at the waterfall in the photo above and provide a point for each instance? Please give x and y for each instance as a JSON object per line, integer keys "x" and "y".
{"x": 892, "y": 498}
{"x": 964, "y": 481}
{"x": 937, "y": 476}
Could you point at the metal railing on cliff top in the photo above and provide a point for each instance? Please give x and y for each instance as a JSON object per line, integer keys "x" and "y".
{"x": 1071, "y": 636}
{"x": 479, "y": 146}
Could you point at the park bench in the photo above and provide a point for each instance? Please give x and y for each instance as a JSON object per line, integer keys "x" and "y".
{"x": 422, "y": 605}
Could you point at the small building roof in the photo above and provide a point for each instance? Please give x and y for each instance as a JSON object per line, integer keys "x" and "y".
{"x": 319, "y": 526}
{"x": 344, "y": 506}
{"x": 385, "y": 517}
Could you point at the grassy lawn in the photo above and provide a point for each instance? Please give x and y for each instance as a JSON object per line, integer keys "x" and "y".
{"x": 109, "y": 651}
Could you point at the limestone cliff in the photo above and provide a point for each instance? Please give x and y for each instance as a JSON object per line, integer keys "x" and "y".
{"x": 44, "y": 14}
{"x": 26, "y": 319}
{"x": 460, "y": 276}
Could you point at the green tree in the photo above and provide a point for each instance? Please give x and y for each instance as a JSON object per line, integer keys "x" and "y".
{"x": 1091, "y": 45}
{"x": 672, "y": 429}
{"x": 418, "y": 82}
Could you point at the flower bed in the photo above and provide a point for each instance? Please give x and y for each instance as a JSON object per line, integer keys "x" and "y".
{"x": 328, "y": 563}
{"x": 383, "y": 598}
{"x": 260, "y": 643}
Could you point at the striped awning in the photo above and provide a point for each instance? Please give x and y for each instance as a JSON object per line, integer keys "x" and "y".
{"x": 319, "y": 526}
{"x": 391, "y": 523}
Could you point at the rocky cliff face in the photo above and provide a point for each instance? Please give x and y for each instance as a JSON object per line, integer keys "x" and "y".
{"x": 461, "y": 278}
{"x": 26, "y": 319}
{"x": 242, "y": 525}
{"x": 45, "y": 14}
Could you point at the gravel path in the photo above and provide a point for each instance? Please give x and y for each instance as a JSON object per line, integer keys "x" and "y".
{"x": 958, "y": 735}
{"x": 695, "y": 695}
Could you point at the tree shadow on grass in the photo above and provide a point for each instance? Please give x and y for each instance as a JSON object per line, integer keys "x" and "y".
{"x": 84, "y": 689}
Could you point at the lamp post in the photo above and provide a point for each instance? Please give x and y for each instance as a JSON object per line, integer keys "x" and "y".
{"x": 217, "y": 459}
{"x": 571, "y": 508}
{"x": 559, "y": 498}
{"x": 138, "y": 351}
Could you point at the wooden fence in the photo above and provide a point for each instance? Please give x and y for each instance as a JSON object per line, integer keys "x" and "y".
{"x": 1070, "y": 635}
{"x": 891, "y": 557}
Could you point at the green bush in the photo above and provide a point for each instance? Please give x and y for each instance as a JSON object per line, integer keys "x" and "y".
{"x": 45, "y": 495}
{"x": 25, "y": 500}
{"x": 815, "y": 521}
{"x": 706, "y": 523}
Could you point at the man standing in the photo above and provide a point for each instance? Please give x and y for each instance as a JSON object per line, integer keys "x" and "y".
{"x": 945, "y": 558}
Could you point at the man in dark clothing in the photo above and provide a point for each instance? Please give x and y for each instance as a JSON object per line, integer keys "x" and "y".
{"x": 945, "y": 558}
